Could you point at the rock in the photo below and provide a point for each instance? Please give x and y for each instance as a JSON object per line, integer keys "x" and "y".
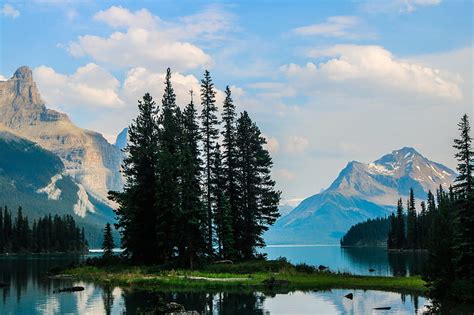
{"x": 322, "y": 268}
{"x": 371, "y": 270}
{"x": 86, "y": 155}
{"x": 272, "y": 282}
{"x": 350, "y": 296}
{"x": 382, "y": 308}
{"x": 224, "y": 262}
{"x": 70, "y": 289}
{"x": 173, "y": 307}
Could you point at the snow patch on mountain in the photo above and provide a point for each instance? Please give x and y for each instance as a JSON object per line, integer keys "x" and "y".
{"x": 83, "y": 203}
{"x": 51, "y": 190}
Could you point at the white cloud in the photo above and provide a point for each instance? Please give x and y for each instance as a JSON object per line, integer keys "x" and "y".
{"x": 9, "y": 10}
{"x": 89, "y": 86}
{"x": 371, "y": 71}
{"x": 397, "y": 6}
{"x": 150, "y": 42}
{"x": 335, "y": 26}
{"x": 296, "y": 144}
{"x": 2, "y": 78}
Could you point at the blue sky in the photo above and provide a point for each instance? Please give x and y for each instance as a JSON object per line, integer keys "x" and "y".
{"x": 327, "y": 81}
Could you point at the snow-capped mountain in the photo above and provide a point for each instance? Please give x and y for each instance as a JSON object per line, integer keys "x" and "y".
{"x": 361, "y": 191}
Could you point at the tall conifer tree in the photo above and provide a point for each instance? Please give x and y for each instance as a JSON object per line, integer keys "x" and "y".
{"x": 137, "y": 213}
{"x": 259, "y": 200}
{"x": 210, "y": 133}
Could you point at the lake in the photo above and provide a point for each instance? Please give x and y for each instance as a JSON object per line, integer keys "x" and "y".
{"x": 30, "y": 290}
{"x": 355, "y": 260}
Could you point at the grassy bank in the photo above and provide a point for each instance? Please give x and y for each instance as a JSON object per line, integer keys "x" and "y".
{"x": 245, "y": 276}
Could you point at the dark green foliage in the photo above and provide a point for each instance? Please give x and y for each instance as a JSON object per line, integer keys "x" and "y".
{"x": 210, "y": 133}
{"x": 412, "y": 228}
{"x": 137, "y": 214}
{"x": 46, "y": 235}
{"x": 168, "y": 172}
{"x": 464, "y": 202}
{"x": 108, "y": 244}
{"x": 258, "y": 204}
{"x": 193, "y": 215}
{"x": 372, "y": 232}
{"x": 182, "y": 203}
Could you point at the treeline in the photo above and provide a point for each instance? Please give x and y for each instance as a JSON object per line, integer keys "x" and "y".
{"x": 197, "y": 187}
{"x": 445, "y": 227}
{"x": 410, "y": 230}
{"x": 372, "y": 232}
{"x": 46, "y": 235}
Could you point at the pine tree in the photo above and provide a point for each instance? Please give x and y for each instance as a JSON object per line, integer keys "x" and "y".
{"x": 230, "y": 168}
{"x": 169, "y": 171}
{"x": 210, "y": 134}
{"x": 400, "y": 232}
{"x": 193, "y": 213}
{"x": 411, "y": 222}
{"x": 465, "y": 202}
{"x": 259, "y": 201}
{"x": 108, "y": 244}
{"x": 137, "y": 213}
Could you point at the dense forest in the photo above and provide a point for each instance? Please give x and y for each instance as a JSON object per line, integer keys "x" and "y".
{"x": 372, "y": 232}
{"x": 46, "y": 235}
{"x": 197, "y": 187}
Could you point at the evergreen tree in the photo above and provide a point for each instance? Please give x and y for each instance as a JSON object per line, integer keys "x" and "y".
{"x": 223, "y": 218}
{"x": 108, "y": 244}
{"x": 210, "y": 134}
{"x": 230, "y": 167}
{"x": 169, "y": 171}
{"x": 259, "y": 201}
{"x": 411, "y": 222}
{"x": 465, "y": 202}
{"x": 193, "y": 218}
{"x": 137, "y": 213}
{"x": 400, "y": 226}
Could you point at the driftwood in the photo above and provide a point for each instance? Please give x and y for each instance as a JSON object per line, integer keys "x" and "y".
{"x": 70, "y": 289}
{"x": 382, "y": 308}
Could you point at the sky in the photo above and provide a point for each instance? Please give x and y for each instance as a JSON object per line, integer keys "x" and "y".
{"x": 327, "y": 82}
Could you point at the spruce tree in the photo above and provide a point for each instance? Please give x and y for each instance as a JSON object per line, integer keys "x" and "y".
{"x": 411, "y": 222}
{"x": 259, "y": 200}
{"x": 108, "y": 243}
{"x": 464, "y": 202}
{"x": 169, "y": 171}
{"x": 400, "y": 232}
{"x": 137, "y": 214}
{"x": 193, "y": 219}
{"x": 230, "y": 167}
{"x": 210, "y": 134}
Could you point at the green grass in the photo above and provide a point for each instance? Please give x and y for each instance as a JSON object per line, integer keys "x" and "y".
{"x": 146, "y": 277}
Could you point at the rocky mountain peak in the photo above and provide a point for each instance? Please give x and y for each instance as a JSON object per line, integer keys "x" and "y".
{"x": 24, "y": 73}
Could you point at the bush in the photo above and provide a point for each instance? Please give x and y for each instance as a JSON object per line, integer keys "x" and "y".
{"x": 305, "y": 268}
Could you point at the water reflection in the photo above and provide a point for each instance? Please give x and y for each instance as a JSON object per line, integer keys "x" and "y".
{"x": 30, "y": 291}
{"x": 356, "y": 260}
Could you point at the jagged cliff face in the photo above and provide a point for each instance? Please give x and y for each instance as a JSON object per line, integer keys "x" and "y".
{"x": 87, "y": 156}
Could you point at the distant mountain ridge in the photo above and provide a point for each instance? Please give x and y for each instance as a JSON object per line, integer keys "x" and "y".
{"x": 361, "y": 191}
{"x": 87, "y": 156}
{"x": 35, "y": 179}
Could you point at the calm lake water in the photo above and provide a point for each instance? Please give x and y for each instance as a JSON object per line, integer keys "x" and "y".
{"x": 356, "y": 260}
{"x": 30, "y": 291}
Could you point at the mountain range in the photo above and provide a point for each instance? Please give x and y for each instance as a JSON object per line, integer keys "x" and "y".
{"x": 361, "y": 191}
{"x": 48, "y": 164}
